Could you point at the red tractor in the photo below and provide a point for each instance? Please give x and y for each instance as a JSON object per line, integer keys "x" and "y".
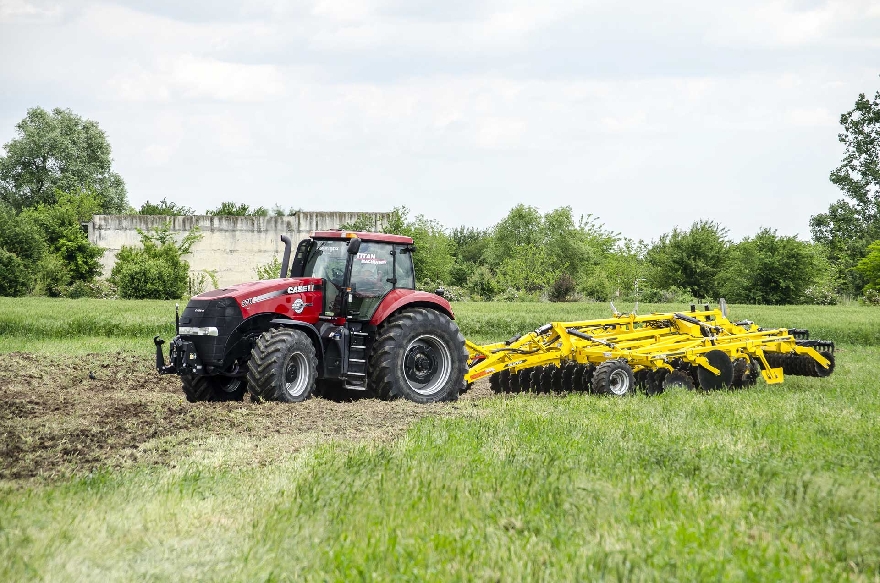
{"x": 348, "y": 314}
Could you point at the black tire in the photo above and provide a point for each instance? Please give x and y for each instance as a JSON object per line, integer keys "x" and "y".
{"x": 819, "y": 370}
{"x": 283, "y": 366}
{"x": 213, "y": 388}
{"x": 419, "y": 355}
{"x": 614, "y": 377}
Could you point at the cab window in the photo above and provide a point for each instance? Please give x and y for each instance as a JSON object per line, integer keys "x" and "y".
{"x": 372, "y": 272}
{"x": 327, "y": 261}
{"x": 404, "y": 268}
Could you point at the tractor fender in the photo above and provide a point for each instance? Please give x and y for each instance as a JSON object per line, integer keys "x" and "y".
{"x": 398, "y": 299}
{"x": 310, "y": 331}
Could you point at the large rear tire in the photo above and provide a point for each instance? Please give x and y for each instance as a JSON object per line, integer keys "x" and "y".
{"x": 419, "y": 355}
{"x": 213, "y": 388}
{"x": 283, "y": 366}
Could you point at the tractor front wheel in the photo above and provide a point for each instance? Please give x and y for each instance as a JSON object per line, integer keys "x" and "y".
{"x": 283, "y": 366}
{"x": 212, "y": 388}
{"x": 419, "y": 355}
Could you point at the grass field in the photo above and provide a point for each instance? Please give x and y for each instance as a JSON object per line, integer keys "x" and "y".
{"x": 770, "y": 483}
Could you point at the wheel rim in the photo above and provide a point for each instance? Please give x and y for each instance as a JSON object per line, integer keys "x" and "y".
{"x": 296, "y": 375}
{"x": 427, "y": 365}
{"x": 618, "y": 382}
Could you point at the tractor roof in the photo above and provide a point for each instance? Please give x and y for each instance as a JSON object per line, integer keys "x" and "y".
{"x": 363, "y": 236}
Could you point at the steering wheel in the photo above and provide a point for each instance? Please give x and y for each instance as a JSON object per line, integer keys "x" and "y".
{"x": 337, "y": 274}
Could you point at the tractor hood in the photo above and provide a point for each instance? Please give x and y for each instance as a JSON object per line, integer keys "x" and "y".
{"x": 292, "y": 296}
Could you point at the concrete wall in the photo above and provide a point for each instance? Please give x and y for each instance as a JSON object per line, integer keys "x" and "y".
{"x": 231, "y": 246}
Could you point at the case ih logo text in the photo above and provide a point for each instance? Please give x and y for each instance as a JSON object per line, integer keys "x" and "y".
{"x": 294, "y": 289}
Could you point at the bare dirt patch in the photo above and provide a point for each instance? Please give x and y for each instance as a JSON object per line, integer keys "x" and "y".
{"x": 56, "y": 420}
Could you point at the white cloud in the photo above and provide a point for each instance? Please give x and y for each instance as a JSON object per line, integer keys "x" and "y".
{"x": 189, "y": 77}
{"x": 11, "y": 10}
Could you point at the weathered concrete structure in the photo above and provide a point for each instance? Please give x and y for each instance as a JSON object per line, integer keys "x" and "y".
{"x": 232, "y": 247}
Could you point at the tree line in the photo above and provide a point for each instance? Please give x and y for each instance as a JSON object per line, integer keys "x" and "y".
{"x": 57, "y": 172}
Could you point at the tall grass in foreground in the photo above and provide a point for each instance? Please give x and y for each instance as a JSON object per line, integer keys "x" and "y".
{"x": 775, "y": 483}
{"x": 80, "y": 326}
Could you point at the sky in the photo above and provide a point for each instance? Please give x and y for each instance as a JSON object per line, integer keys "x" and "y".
{"x": 648, "y": 114}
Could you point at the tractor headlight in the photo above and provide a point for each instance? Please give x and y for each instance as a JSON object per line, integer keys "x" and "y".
{"x": 196, "y": 331}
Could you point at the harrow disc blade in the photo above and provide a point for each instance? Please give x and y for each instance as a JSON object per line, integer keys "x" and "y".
{"x": 568, "y": 376}
{"x": 712, "y": 382}
{"x": 495, "y": 382}
{"x": 504, "y": 380}
{"x": 557, "y": 382}
{"x": 514, "y": 382}
{"x": 656, "y": 380}
{"x": 525, "y": 380}
{"x": 547, "y": 378}
{"x": 535, "y": 379}
{"x": 678, "y": 379}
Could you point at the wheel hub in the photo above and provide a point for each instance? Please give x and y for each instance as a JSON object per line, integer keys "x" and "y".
{"x": 420, "y": 364}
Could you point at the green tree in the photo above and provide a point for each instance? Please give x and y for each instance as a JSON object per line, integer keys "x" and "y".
{"x": 22, "y": 248}
{"x": 156, "y": 270}
{"x": 231, "y": 209}
{"x": 853, "y": 222}
{"x": 165, "y": 208}
{"x": 869, "y": 267}
{"x": 61, "y": 225}
{"x": 433, "y": 257}
{"x": 689, "y": 259}
{"x": 769, "y": 269}
{"x": 57, "y": 152}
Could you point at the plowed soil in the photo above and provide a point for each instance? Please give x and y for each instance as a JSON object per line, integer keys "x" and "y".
{"x": 61, "y": 416}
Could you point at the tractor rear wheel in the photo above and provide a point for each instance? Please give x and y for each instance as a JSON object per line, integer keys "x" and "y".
{"x": 419, "y": 355}
{"x": 213, "y": 388}
{"x": 283, "y": 366}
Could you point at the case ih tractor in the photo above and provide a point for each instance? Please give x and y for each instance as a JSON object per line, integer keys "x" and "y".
{"x": 345, "y": 311}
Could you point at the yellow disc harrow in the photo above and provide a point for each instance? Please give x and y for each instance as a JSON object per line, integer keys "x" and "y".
{"x": 617, "y": 355}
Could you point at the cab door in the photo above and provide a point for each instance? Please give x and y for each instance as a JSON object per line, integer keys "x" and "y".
{"x": 372, "y": 277}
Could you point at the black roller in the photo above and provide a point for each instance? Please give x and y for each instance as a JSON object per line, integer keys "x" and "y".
{"x": 712, "y": 382}
{"x": 819, "y": 370}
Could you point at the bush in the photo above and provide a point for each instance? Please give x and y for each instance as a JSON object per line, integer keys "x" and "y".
{"x": 16, "y": 279}
{"x": 562, "y": 289}
{"x": 52, "y": 277}
{"x": 672, "y": 295}
{"x": 482, "y": 282}
{"x": 269, "y": 270}
{"x": 453, "y": 293}
{"x": 871, "y": 297}
{"x": 156, "y": 271}
{"x": 143, "y": 277}
{"x": 98, "y": 289}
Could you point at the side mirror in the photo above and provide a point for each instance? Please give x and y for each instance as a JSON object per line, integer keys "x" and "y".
{"x": 354, "y": 246}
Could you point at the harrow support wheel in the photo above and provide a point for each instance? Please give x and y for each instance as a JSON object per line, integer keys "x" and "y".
{"x": 819, "y": 370}
{"x": 614, "y": 377}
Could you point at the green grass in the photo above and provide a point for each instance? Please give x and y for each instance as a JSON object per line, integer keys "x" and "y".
{"x": 83, "y": 326}
{"x": 774, "y": 483}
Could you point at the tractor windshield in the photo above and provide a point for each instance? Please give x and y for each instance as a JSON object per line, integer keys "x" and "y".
{"x": 327, "y": 261}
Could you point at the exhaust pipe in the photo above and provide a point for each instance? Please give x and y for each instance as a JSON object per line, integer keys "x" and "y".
{"x": 285, "y": 261}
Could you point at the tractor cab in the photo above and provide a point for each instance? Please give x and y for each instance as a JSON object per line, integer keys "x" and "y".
{"x": 359, "y": 270}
